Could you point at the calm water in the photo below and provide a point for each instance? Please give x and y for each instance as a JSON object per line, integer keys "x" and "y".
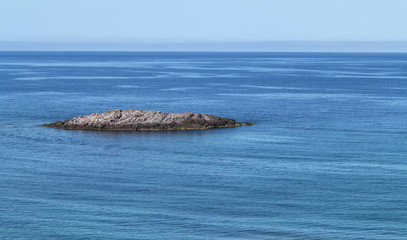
{"x": 327, "y": 158}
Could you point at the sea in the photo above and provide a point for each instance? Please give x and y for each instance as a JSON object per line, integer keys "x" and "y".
{"x": 326, "y": 158}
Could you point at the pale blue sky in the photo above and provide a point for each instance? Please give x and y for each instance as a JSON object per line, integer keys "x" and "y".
{"x": 192, "y": 21}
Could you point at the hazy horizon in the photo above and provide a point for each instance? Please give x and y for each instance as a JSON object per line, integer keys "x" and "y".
{"x": 260, "y": 46}
{"x": 182, "y": 25}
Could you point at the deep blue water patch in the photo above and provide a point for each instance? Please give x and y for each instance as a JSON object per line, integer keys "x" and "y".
{"x": 325, "y": 160}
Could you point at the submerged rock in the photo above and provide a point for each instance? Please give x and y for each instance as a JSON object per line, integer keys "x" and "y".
{"x": 140, "y": 120}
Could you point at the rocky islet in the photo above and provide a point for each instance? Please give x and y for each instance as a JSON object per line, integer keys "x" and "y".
{"x": 141, "y": 120}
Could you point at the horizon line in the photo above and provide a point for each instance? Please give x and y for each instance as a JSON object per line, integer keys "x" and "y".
{"x": 195, "y": 51}
{"x": 237, "y": 46}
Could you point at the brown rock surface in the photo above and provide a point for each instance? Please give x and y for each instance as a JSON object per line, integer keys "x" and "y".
{"x": 140, "y": 120}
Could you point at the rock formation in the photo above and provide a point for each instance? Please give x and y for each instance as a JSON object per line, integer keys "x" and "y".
{"x": 139, "y": 120}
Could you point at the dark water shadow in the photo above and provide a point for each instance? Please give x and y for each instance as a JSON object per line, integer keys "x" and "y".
{"x": 147, "y": 134}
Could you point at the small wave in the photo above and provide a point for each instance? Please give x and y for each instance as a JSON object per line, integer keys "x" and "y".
{"x": 182, "y": 88}
{"x": 129, "y": 86}
{"x": 70, "y": 77}
{"x": 370, "y": 76}
{"x": 272, "y": 87}
{"x": 218, "y": 84}
{"x": 46, "y": 93}
{"x": 299, "y": 96}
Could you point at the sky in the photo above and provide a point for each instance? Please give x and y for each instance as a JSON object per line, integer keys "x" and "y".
{"x": 203, "y": 24}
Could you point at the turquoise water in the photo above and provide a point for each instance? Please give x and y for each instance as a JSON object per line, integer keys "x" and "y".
{"x": 327, "y": 158}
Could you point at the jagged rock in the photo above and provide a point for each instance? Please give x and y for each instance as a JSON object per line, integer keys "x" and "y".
{"x": 140, "y": 120}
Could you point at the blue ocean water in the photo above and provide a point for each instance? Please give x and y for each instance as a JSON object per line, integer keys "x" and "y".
{"x": 327, "y": 158}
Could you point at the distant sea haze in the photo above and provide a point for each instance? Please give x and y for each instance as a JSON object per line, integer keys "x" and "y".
{"x": 254, "y": 46}
{"x": 326, "y": 158}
